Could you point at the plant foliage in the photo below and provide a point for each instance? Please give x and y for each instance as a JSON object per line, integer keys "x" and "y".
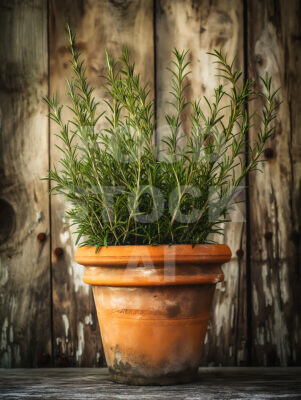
{"x": 123, "y": 188}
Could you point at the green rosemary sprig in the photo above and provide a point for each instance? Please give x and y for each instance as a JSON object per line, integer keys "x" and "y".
{"x": 122, "y": 189}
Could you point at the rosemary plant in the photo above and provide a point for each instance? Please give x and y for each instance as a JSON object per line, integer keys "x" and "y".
{"x": 123, "y": 188}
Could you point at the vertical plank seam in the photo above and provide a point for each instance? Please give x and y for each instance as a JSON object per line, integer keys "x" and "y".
{"x": 238, "y": 327}
{"x": 155, "y": 67}
{"x": 248, "y": 227}
{"x": 49, "y": 197}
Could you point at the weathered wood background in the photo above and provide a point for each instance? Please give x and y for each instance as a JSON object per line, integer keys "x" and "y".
{"x": 47, "y": 315}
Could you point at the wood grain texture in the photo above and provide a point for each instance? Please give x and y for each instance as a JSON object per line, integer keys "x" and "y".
{"x": 213, "y": 384}
{"x": 99, "y": 25}
{"x": 25, "y": 326}
{"x": 274, "y": 46}
{"x": 202, "y": 26}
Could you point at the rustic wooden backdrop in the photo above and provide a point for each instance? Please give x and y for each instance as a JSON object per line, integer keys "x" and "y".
{"x": 47, "y": 314}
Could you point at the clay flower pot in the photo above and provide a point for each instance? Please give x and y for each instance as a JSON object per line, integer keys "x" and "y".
{"x": 153, "y": 305}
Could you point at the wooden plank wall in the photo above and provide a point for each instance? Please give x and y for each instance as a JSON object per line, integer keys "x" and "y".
{"x": 274, "y": 46}
{"x": 47, "y": 315}
{"x": 25, "y": 317}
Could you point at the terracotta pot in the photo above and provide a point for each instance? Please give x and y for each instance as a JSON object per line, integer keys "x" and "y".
{"x": 153, "y": 305}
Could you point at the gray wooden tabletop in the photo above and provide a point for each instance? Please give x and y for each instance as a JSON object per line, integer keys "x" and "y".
{"x": 88, "y": 383}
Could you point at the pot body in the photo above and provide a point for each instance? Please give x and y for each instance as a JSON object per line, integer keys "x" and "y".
{"x": 153, "y": 308}
{"x": 153, "y": 335}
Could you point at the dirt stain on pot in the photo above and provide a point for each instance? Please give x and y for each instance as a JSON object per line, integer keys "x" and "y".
{"x": 173, "y": 311}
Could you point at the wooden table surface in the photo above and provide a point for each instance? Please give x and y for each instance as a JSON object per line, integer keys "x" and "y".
{"x": 88, "y": 383}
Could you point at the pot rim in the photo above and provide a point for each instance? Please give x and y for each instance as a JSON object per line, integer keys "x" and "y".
{"x": 158, "y": 254}
{"x": 146, "y": 265}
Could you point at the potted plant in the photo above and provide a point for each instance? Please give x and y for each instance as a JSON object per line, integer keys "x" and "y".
{"x": 145, "y": 212}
